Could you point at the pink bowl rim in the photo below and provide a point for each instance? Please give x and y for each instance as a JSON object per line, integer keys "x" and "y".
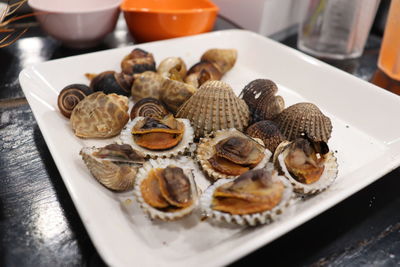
{"x": 117, "y": 4}
{"x": 211, "y": 8}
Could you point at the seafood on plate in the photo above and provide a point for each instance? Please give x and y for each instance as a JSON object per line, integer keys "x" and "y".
{"x": 146, "y": 84}
{"x": 166, "y": 188}
{"x": 100, "y": 116}
{"x": 138, "y": 61}
{"x": 148, "y": 107}
{"x": 173, "y": 68}
{"x": 308, "y": 165}
{"x": 230, "y": 153}
{"x": 166, "y": 137}
{"x": 114, "y": 166}
{"x": 260, "y": 96}
{"x": 255, "y": 197}
{"x": 214, "y": 106}
{"x": 268, "y": 132}
{"x": 70, "y": 96}
{"x": 304, "y": 119}
{"x": 110, "y": 82}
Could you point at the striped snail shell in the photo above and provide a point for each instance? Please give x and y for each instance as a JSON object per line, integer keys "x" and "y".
{"x": 70, "y": 96}
{"x": 149, "y": 107}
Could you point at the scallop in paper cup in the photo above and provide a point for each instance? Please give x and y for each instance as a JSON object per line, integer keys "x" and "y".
{"x": 167, "y": 195}
{"x": 256, "y": 215}
{"x": 206, "y": 150}
{"x": 181, "y": 148}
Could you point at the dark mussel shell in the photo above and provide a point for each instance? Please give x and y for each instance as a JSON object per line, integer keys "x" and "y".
{"x": 268, "y": 132}
{"x": 70, "y": 96}
{"x": 260, "y": 96}
{"x": 138, "y": 61}
{"x": 149, "y": 107}
{"x": 112, "y": 82}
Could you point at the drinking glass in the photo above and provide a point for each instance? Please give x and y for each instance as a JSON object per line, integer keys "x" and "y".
{"x": 336, "y": 29}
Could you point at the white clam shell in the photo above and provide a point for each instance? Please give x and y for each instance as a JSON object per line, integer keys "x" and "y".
{"x": 179, "y": 149}
{"x": 249, "y": 219}
{"x": 205, "y": 150}
{"x": 327, "y": 178}
{"x": 189, "y": 169}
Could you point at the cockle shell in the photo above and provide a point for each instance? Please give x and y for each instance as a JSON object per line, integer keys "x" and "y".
{"x": 206, "y": 150}
{"x": 252, "y": 219}
{"x": 214, "y": 106}
{"x": 268, "y": 132}
{"x": 115, "y": 173}
{"x": 304, "y": 119}
{"x": 188, "y": 167}
{"x": 146, "y": 84}
{"x": 224, "y": 59}
{"x": 100, "y": 116}
{"x": 174, "y": 93}
{"x": 182, "y": 147}
{"x": 260, "y": 96}
{"x": 327, "y": 177}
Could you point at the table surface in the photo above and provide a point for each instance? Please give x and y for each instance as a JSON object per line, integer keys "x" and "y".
{"x": 39, "y": 225}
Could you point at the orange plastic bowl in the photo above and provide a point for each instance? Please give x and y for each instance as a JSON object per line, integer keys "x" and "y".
{"x": 150, "y": 20}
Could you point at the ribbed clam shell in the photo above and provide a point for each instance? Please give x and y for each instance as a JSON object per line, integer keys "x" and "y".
{"x": 205, "y": 150}
{"x": 118, "y": 177}
{"x": 146, "y": 84}
{"x": 181, "y": 148}
{"x": 260, "y": 96}
{"x": 99, "y": 115}
{"x": 188, "y": 168}
{"x": 224, "y": 59}
{"x": 327, "y": 178}
{"x": 268, "y": 132}
{"x": 213, "y": 107}
{"x": 248, "y": 219}
{"x": 304, "y": 119}
{"x": 174, "y": 93}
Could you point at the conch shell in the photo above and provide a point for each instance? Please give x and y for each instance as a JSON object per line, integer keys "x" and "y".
{"x": 214, "y": 106}
{"x": 100, "y": 116}
{"x": 223, "y": 59}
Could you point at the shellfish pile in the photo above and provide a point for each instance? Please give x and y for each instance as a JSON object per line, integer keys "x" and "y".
{"x": 186, "y": 127}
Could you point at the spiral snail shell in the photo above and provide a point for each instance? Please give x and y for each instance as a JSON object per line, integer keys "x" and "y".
{"x": 149, "y": 107}
{"x": 70, "y": 96}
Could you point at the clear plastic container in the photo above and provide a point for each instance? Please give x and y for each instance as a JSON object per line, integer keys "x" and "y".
{"x": 336, "y": 28}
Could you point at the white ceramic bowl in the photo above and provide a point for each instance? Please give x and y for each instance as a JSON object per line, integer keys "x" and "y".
{"x": 77, "y": 23}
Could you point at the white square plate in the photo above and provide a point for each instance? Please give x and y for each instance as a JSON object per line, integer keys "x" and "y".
{"x": 365, "y": 137}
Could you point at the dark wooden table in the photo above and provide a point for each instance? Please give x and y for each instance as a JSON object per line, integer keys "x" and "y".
{"x": 39, "y": 225}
